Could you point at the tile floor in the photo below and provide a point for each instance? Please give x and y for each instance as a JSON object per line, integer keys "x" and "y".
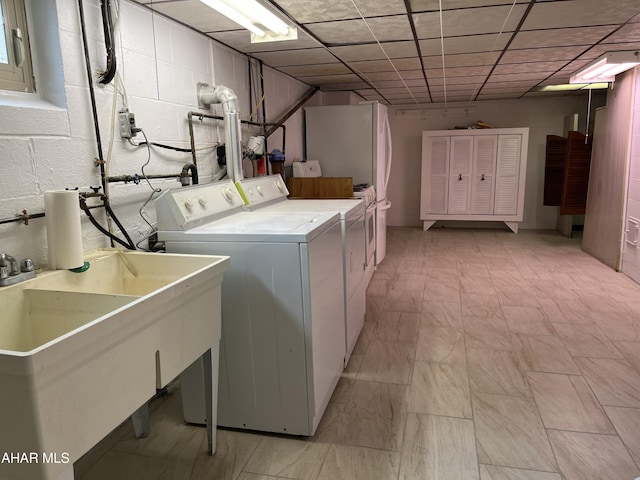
{"x": 485, "y": 356}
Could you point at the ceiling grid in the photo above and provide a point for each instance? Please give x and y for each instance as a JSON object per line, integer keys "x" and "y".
{"x": 391, "y": 51}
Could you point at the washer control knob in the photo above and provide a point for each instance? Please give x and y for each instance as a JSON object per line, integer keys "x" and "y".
{"x": 259, "y": 190}
{"x": 228, "y": 195}
{"x": 279, "y": 185}
{"x": 188, "y": 203}
{"x": 202, "y": 201}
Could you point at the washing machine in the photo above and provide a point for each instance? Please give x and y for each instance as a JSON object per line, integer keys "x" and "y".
{"x": 282, "y": 346}
{"x": 263, "y": 195}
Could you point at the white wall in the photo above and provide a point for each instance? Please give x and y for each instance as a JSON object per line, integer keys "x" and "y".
{"x": 630, "y": 254}
{"x": 542, "y": 116}
{"x": 52, "y": 146}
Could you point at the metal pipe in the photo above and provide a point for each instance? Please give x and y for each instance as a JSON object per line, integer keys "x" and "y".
{"x": 192, "y": 138}
{"x": 232, "y": 134}
{"x": 138, "y": 178}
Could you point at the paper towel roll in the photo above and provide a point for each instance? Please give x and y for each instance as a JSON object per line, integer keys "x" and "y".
{"x": 64, "y": 234}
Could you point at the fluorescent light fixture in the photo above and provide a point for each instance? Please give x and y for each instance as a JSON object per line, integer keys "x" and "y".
{"x": 606, "y": 67}
{"x": 572, "y": 86}
{"x": 253, "y": 16}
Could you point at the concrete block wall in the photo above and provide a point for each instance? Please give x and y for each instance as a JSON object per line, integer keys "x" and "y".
{"x": 49, "y": 144}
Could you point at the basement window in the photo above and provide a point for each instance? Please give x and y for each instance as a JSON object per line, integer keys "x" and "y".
{"x": 15, "y": 58}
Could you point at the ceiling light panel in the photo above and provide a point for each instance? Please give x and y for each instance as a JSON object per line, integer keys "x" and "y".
{"x": 468, "y": 21}
{"x": 311, "y": 11}
{"x": 355, "y": 31}
{"x": 241, "y": 40}
{"x": 579, "y": 13}
{"x": 374, "y": 52}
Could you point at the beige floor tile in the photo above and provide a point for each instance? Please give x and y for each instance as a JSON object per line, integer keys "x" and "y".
{"x": 353, "y": 366}
{"x": 627, "y": 423}
{"x": 403, "y": 300}
{"x": 378, "y": 287}
{"x": 438, "y": 448}
{"x": 233, "y": 450}
{"x": 478, "y": 336}
{"x": 491, "y": 324}
{"x": 405, "y": 281}
{"x": 491, "y": 472}
{"x": 373, "y": 416}
{"x": 343, "y": 389}
{"x": 388, "y": 362}
{"x": 126, "y": 465}
{"x": 601, "y": 302}
{"x": 630, "y": 351}
{"x": 441, "y": 314}
{"x": 618, "y": 326}
{"x": 614, "y": 382}
{"x": 544, "y": 353}
{"x": 565, "y": 311}
{"x": 546, "y": 288}
{"x": 473, "y": 270}
{"x": 440, "y": 389}
{"x": 566, "y": 402}
{"x": 477, "y": 285}
{"x": 253, "y": 476}
{"x": 287, "y": 457}
{"x": 509, "y": 432}
{"x": 364, "y": 339}
{"x": 398, "y": 327}
{"x": 438, "y": 291}
{"x": 586, "y": 341}
{"x": 444, "y": 275}
{"x": 517, "y": 296}
{"x": 440, "y": 344}
{"x": 497, "y": 372}
{"x": 479, "y": 305}
{"x": 587, "y": 456}
{"x": 357, "y": 463}
{"x": 506, "y": 278}
{"x": 528, "y": 320}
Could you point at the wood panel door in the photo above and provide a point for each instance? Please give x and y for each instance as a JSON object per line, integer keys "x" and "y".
{"x": 576, "y": 174}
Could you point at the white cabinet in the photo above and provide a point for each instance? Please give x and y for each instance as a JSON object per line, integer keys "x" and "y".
{"x": 473, "y": 175}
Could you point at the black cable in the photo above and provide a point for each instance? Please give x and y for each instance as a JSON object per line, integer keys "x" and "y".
{"x": 107, "y": 27}
{"x": 122, "y": 229}
{"x": 168, "y": 147}
{"x": 106, "y": 232}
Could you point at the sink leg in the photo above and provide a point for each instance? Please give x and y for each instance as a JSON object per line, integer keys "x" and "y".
{"x": 210, "y": 361}
{"x": 141, "y": 421}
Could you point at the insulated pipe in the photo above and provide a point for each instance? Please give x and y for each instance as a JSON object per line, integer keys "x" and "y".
{"x": 232, "y": 134}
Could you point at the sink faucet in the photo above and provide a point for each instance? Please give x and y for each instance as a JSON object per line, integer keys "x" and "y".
{"x": 10, "y": 273}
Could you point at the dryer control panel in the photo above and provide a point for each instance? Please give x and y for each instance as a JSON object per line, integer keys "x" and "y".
{"x": 261, "y": 190}
{"x": 187, "y": 207}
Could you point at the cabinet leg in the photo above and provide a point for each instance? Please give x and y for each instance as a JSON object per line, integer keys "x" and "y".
{"x": 210, "y": 362}
{"x": 140, "y": 420}
{"x": 427, "y": 224}
{"x": 513, "y": 226}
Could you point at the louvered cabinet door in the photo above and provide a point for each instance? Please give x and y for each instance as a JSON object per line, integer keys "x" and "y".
{"x": 484, "y": 168}
{"x": 435, "y": 175}
{"x": 507, "y": 174}
{"x": 460, "y": 174}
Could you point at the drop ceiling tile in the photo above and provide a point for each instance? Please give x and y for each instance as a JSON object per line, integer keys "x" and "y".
{"x": 495, "y": 96}
{"x": 418, "y": 82}
{"x": 385, "y": 66}
{"x": 579, "y": 13}
{"x": 503, "y": 83}
{"x": 307, "y": 56}
{"x": 538, "y": 67}
{"x": 542, "y": 54}
{"x": 402, "y": 95}
{"x": 311, "y": 11}
{"x": 560, "y": 37}
{"x": 610, "y": 47}
{"x": 468, "y": 80}
{"x": 487, "y": 90}
{"x": 458, "y": 71}
{"x": 466, "y": 44}
{"x": 335, "y": 87}
{"x": 326, "y": 79}
{"x": 315, "y": 70}
{"x": 374, "y": 52}
{"x": 462, "y": 60}
{"x": 405, "y": 74}
{"x": 402, "y": 90}
{"x": 346, "y": 32}
{"x": 426, "y": 5}
{"x": 241, "y": 40}
{"x": 471, "y": 21}
{"x": 518, "y": 77}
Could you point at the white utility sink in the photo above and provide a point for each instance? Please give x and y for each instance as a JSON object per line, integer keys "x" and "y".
{"x": 80, "y": 352}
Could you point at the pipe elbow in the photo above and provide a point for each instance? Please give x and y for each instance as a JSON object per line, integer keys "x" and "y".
{"x": 218, "y": 94}
{"x": 189, "y": 169}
